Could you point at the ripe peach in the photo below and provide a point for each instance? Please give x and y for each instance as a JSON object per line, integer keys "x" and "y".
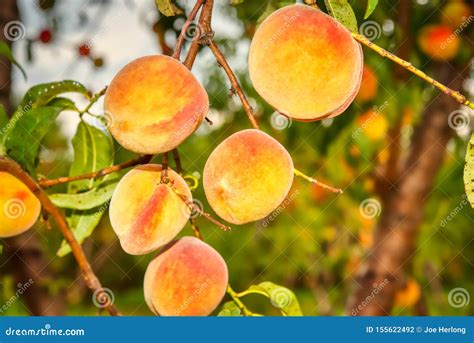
{"x": 247, "y": 176}
{"x": 455, "y": 14}
{"x": 369, "y": 85}
{"x": 373, "y": 124}
{"x": 154, "y": 104}
{"x": 305, "y": 64}
{"x": 146, "y": 214}
{"x": 439, "y": 42}
{"x": 19, "y": 207}
{"x": 189, "y": 278}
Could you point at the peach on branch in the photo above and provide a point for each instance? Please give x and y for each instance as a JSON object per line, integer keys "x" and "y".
{"x": 188, "y": 278}
{"x": 146, "y": 214}
{"x": 439, "y": 42}
{"x": 19, "y": 207}
{"x": 154, "y": 103}
{"x": 305, "y": 64}
{"x": 369, "y": 85}
{"x": 247, "y": 176}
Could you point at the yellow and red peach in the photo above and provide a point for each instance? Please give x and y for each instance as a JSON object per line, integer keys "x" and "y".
{"x": 456, "y": 13}
{"x": 189, "y": 278}
{"x": 369, "y": 85}
{"x": 19, "y": 207}
{"x": 305, "y": 64}
{"x": 247, "y": 176}
{"x": 154, "y": 103}
{"x": 439, "y": 42}
{"x": 146, "y": 214}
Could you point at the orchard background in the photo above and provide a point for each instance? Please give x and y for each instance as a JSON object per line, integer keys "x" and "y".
{"x": 397, "y": 241}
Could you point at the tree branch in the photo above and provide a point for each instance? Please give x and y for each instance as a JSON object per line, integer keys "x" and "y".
{"x": 408, "y": 66}
{"x": 182, "y": 35}
{"x": 90, "y": 278}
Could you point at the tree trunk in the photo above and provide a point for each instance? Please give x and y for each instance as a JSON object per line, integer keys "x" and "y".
{"x": 401, "y": 217}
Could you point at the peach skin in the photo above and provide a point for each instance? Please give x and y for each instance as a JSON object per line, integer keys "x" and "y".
{"x": 247, "y": 176}
{"x": 188, "y": 278}
{"x": 305, "y": 64}
{"x": 19, "y": 207}
{"x": 154, "y": 103}
{"x": 146, "y": 214}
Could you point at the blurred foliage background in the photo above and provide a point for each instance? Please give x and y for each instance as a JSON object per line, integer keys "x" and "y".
{"x": 318, "y": 243}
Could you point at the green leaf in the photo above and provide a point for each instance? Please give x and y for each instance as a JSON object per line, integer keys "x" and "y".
{"x": 469, "y": 171}
{"x": 93, "y": 150}
{"x": 371, "y": 5}
{"x": 64, "y": 103}
{"x": 42, "y": 94}
{"x": 82, "y": 224}
{"x": 280, "y": 297}
{"x": 87, "y": 200}
{"x": 342, "y": 11}
{"x": 6, "y": 51}
{"x": 168, "y": 8}
{"x": 23, "y": 141}
{"x": 230, "y": 309}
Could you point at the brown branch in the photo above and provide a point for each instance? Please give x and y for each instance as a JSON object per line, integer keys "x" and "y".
{"x": 233, "y": 81}
{"x": 90, "y": 278}
{"x": 177, "y": 161}
{"x": 45, "y": 183}
{"x": 164, "y": 169}
{"x": 182, "y": 35}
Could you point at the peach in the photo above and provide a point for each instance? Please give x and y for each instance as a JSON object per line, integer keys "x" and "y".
{"x": 146, "y": 214}
{"x": 189, "y": 278}
{"x": 439, "y": 42}
{"x": 305, "y": 64}
{"x": 154, "y": 103}
{"x": 456, "y": 14}
{"x": 247, "y": 176}
{"x": 373, "y": 124}
{"x": 19, "y": 207}
{"x": 369, "y": 85}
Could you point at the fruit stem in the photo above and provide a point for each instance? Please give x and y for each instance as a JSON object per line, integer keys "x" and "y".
{"x": 408, "y": 66}
{"x": 235, "y": 297}
{"x": 235, "y": 86}
{"x": 320, "y": 184}
{"x": 45, "y": 183}
{"x": 88, "y": 274}
{"x": 182, "y": 35}
{"x": 93, "y": 100}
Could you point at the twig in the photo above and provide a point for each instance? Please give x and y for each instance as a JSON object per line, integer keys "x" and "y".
{"x": 407, "y": 65}
{"x": 90, "y": 278}
{"x": 164, "y": 169}
{"x": 45, "y": 183}
{"x": 234, "y": 82}
{"x": 182, "y": 35}
{"x": 177, "y": 161}
{"x": 93, "y": 100}
{"x": 235, "y": 297}
{"x": 320, "y": 184}
{"x": 196, "y": 230}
